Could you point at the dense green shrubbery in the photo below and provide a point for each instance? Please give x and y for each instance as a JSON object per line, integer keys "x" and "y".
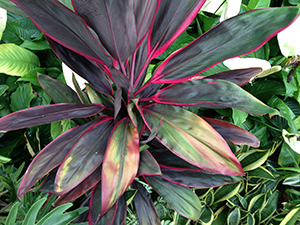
{"x": 269, "y": 194}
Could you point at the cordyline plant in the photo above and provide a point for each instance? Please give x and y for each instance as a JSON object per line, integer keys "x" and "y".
{"x": 111, "y": 44}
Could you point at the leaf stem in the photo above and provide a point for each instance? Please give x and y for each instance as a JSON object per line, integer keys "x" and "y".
{"x": 274, "y": 128}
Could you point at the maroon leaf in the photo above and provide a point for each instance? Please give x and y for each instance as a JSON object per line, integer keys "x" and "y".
{"x": 83, "y": 67}
{"x": 171, "y": 20}
{"x": 64, "y": 23}
{"x": 243, "y": 35}
{"x": 144, "y": 207}
{"x": 239, "y": 77}
{"x": 95, "y": 204}
{"x": 51, "y": 156}
{"x": 84, "y": 157}
{"x": 197, "y": 179}
{"x": 120, "y": 163}
{"x": 57, "y": 91}
{"x": 114, "y": 22}
{"x": 148, "y": 165}
{"x": 235, "y": 134}
{"x": 81, "y": 188}
{"x": 47, "y": 114}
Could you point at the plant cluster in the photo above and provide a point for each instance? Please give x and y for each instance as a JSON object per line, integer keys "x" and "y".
{"x": 159, "y": 111}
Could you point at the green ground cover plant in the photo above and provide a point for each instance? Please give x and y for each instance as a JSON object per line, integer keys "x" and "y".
{"x": 154, "y": 117}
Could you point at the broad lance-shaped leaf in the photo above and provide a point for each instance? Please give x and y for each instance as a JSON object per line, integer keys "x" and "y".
{"x": 192, "y": 139}
{"x": 212, "y": 94}
{"x": 120, "y": 163}
{"x": 171, "y": 19}
{"x": 51, "y": 156}
{"x": 66, "y": 27}
{"x": 145, "y": 209}
{"x": 182, "y": 199}
{"x": 230, "y": 132}
{"x": 198, "y": 179}
{"x": 57, "y": 91}
{"x": 114, "y": 22}
{"x": 233, "y": 37}
{"x": 148, "y": 165}
{"x": 84, "y": 157}
{"x": 83, "y": 67}
{"x": 47, "y": 114}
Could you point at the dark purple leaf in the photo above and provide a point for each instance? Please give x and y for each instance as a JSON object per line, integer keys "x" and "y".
{"x": 95, "y": 204}
{"x": 239, "y": 77}
{"x": 83, "y": 67}
{"x": 211, "y": 93}
{"x": 81, "y": 188}
{"x": 144, "y": 207}
{"x": 84, "y": 157}
{"x": 65, "y": 27}
{"x": 119, "y": 79}
{"x": 233, "y": 37}
{"x": 51, "y": 156}
{"x": 148, "y": 165}
{"x": 47, "y": 114}
{"x": 171, "y": 19}
{"x": 118, "y": 102}
{"x": 198, "y": 179}
{"x": 114, "y": 22}
{"x": 182, "y": 199}
{"x": 235, "y": 134}
{"x": 57, "y": 91}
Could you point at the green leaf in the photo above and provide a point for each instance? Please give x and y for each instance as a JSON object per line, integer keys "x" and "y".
{"x": 250, "y": 219}
{"x": 255, "y": 4}
{"x": 35, "y": 45}
{"x": 292, "y": 217}
{"x": 292, "y": 140}
{"x": 261, "y": 173}
{"x": 256, "y": 202}
{"x": 226, "y": 192}
{"x": 239, "y": 116}
{"x": 253, "y": 159}
{"x": 3, "y": 18}
{"x": 207, "y": 215}
{"x": 192, "y": 139}
{"x": 120, "y": 163}
{"x": 234, "y": 217}
{"x": 148, "y": 165}
{"x": 3, "y": 89}
{"x": 22, "y": 97}
{"x": 11, "y": 218}
{"x": 33, "y": 211}
{"x": 270, "y": 207}
{"x": 288, "y": 157}
{"x": 17, "y": 61}
{"x": 182, "y": 199}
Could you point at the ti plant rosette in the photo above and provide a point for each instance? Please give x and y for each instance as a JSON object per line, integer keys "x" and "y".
{"x": 111, "y": 45}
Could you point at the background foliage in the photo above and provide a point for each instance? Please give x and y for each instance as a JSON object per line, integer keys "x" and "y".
{"x": 270, "y": 193}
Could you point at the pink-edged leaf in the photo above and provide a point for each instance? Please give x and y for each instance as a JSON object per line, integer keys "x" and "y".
{"x": 57, "y": 91}
{"x": 51, "y": 156}
{"x": 84, "y": 157}
{"x": 47, "y": 185}
{"x": 192, "y": 139}
{"x": 95, "y": 204}
{"x": 171, "y": 19}
{"x": 114, "y": 22}
{"x": 239, "y": 77}
{"x": 148, "y": 165}
{"x": 230, "y": 132}
{"x": 64, "y": 26}
{"x": 115, "y": 215}
{"x": 182, "y": 199}
{"x": 167, "y": 159}
{"x": 120, "y": 163}
{"x": 120, "y": 80}
{"x": 82, "y": 188}
{"x": 236, "y": 36}
{"x": 47, "y": 114}
{"x": 83, "y": 67}
{"x": 144, "y": 207}
{"x": 198, "y": 179}
{"x": 211, "y": 94}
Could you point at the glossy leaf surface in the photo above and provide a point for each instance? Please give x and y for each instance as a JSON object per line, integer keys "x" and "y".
{"x": 243, "y": 35}
{"x": 120, "y": 163}
{"x": 148, "y": 165}
{"x": 145, "y": 209}
{"x": 182, "y": 199}
{"x": 197, "y": 179}
{"x": 64, "y": 22}
{"x": 233, "y": 133}
{"x": 91, "y": 147}
{"x": 212, "y": 94}
{"x": 51, "y": 156}
{"x": 192, "y": 139}
{"x": 47, "y": 114}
